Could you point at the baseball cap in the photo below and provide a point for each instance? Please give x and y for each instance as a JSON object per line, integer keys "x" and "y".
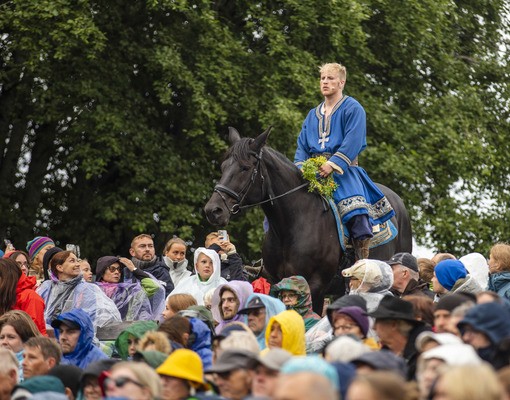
{"x": 73, "y": 325}
{"x": 230, "y": 360}
{"x": 406, "y": 259}
{"x": 254, "y": 304}
{"x": 272, "y": 359}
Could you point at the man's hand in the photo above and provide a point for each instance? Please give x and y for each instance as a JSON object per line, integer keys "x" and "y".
{"x": 325, "y": 169}
{"x": 226, "y": 246}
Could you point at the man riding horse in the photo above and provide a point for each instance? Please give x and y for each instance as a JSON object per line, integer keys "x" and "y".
{"x": 336, "y": 129}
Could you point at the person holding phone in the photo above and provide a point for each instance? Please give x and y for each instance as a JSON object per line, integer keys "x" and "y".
{"x": 232, "y": 266}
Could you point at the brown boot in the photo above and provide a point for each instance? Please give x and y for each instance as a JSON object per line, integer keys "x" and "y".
{"x": 361, "y": 248}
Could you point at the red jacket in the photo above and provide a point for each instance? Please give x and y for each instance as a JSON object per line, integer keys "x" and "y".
{"x": 29, "y": 301}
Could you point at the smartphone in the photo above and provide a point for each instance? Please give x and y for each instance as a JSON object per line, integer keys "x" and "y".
{"x": 223, "y": 235}
{"x": 74, "y": 248}
{"x": 8, "y": 245}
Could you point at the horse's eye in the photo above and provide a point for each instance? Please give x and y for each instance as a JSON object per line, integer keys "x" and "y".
{"x": 245, "y": 167}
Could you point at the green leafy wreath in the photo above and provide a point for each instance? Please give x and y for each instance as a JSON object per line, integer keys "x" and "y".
{"x": 324, "y": 186}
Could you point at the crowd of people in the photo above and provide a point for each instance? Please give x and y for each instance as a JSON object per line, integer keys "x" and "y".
{"x": 154, "y": 327}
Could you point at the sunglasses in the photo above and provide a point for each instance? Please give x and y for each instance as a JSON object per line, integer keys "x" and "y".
{"x": 121, "y": 382}
{"x": 112, "y": 268}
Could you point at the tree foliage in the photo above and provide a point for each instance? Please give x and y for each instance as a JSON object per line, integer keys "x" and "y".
{"x": 114, "y": 114}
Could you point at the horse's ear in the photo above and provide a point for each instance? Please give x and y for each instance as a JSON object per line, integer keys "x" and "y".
{"x": 233, "y": 135}
{"x": 260, "y": 140}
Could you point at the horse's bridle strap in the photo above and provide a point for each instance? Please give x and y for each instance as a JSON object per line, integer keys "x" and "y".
{"x": 226, "y": 190}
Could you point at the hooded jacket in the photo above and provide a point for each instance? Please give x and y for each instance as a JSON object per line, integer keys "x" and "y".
{"x": 499, "y": 282}
{"x": 293, "y": 330}
{"x": 303, "y": 306}
{"x": 193, "y": 285}
{"x": 202, "y": 341}
{"x": 29, "y": 301}
{"x": 137, "y": 330}
{"x": 273, "y": 306}
{"x": 242, "y": 291}
{"x": 84, "y": 352}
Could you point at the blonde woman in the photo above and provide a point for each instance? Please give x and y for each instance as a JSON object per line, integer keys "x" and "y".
{"x": 133, "y": 381}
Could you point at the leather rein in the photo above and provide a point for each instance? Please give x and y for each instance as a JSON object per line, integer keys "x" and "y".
{"x": 239, "y": 197}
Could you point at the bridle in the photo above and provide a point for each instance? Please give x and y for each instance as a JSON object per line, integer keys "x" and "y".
{"x": 239, "y": 197}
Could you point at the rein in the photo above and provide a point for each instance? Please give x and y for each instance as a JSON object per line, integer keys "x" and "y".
{"x": 239, "y": 197}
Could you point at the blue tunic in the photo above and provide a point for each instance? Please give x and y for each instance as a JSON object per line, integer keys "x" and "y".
{"x": 342, "y": 136}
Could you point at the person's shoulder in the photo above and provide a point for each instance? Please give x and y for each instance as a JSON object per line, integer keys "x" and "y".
{"x": 351, "y": 103}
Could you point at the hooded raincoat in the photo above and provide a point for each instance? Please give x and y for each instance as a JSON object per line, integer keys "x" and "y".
{"x": 241, "y": 289}
{"x": 293, "y": 330}
{"x": 202, "y": 341}
{"x": 273, "y": 306}
{"x": 29, "y": 301}
{"x": 303, "y": 306}
{"x": 84, "y": 352}
{"x": 499, "y": 282}
{"x": 194, "y": 286}
{"x": 136, "y": 330}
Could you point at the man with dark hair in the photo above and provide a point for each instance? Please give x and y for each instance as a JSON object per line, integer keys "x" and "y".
{"x": 143, "y": 256}
{"x": 40, "y": 355}
{"x": 406, "y": 276}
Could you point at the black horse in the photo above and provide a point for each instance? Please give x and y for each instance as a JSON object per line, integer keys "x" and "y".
{"x": 302, "y": 237}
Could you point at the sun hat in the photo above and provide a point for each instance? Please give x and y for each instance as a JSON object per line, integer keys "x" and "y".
{"x": 184, "y": 364}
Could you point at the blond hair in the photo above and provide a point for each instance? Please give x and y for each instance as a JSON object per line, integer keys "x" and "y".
{"x": 173, "y": 241}
{"x": 144, "y": 374}
{"x": 471, "y": 382}
{"x": 142, "y": 236}
{"x": 154, "y": 340}
{"x": 338, "y": 69}
{"x": 180, "y": 301}
{"x": 500, "y": 252}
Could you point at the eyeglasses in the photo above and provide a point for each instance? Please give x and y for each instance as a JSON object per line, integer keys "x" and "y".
{"x": 290, "y": 296}
{"x": 112, "y": 268}
{"x": 344, "y": 327}
{"x": 22, "y": 263}
{"x": 225, "y": 375}
{"x": 122, "y": 381}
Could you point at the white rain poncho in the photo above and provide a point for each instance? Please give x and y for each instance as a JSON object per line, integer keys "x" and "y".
{"x": 193, "y": 285}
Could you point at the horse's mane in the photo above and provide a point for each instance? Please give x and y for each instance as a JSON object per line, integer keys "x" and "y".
{"x": 240, "y": 151}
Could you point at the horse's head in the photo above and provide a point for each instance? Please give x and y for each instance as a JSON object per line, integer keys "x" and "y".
{"x": 241, "y": 179}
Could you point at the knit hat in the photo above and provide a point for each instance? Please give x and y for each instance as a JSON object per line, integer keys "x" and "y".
{"x": 42, "y": 383}
{"x": 36, "y": 244}
{"x": 451, "y": 302}
{"x": 153, "y": 358}
{"x": 449, "y": 271}
{"x": 358, "y": 315}
{"x": 313, "y": 364}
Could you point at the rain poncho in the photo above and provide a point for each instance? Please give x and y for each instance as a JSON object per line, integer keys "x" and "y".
{"x": 134, "y": 298}
{"x": 75, "y": 293}
{"x": 194, "y": 286}
{"x": 477, "y": 267}
{"x": 499, "y": 282}
{"x": 303, "y": 306}
{"x": 376, "y": 279}
{"x": 29, "y": 301}
{"x": 273, "y": 307}
{"x": 202, "y": 342}
{"x": 136, "y": 330}
{"x": 85, "y": 352}
{"x": 293, "y": 330}
{"x": 241, "y": 289}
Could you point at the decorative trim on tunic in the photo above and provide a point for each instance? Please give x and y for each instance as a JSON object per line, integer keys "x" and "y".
{"x": 325, "y": 126}
{"x": 375, "y": 211}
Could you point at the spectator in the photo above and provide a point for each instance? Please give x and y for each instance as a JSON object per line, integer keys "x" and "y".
{"x": 66, "y": 290}
{"x": 44, "y": 387}
{"x": 182, "y": 375}
{"x": 132, "y": 381}
{"x": 370, "y": 279}
{"x": 426, "y": 268}
{"x": 86, "y": 270}
{"x": 227, "y": 300}
{"x": 143, "y": 256}
{"x": 127, "y": 341}
{"x": 484, "y": 327}
{"x": 477, "y": 267}
{"x": 231, "y": 374}
{"x": 443, "y": 310}
{"x": 352, "y": 320}
{"x": 75, "y": 334}
{"x": 16, "y": 328}
{"x": 429, "y": 340}
{"x": 499, "y": 269}
{"x": 17, "y": 293}
{"x": 344, "y": 348}
{"x": 207, "y": 275}
{"x": 89, "y": 381}
{"x": 174, "y": 256}
{"x": 36, "y": 249}
{"x": 9, "y": 367}
{"x": 406, "y": 276}
{"x": 239, "y": 340}
{"x": 155, "y": 341}
{"x": 258, "y": 311}
{"x": 438, "y": 257}
{"x": 398, "y": 329}
{"x": 178, "y": 302}
{"x": 231, "y": 263}
{"x": 451, "y": 276}
{"x": 303, "y": 378}
{"x": 383, "y": 360}
{"x": 265, "y": 370}
{"x": 432, "y": 361}
{"x": 380, "y": 385}
{"x": 469, "y": 382}
{"x": 41, "y": 354}
{"x": 294, "y": 292}
{"x": 423, "y": 307}
{"x": 70, "y": 376}
{"x": 138, "y": 298}
{"x": 287, "y": 331}
{"x": 21, "y": 258}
